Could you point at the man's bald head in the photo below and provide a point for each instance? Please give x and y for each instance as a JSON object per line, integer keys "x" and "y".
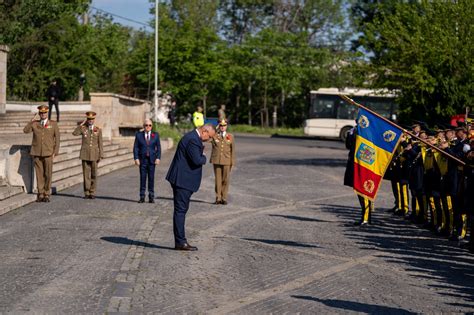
{"x": 207, "y": 131}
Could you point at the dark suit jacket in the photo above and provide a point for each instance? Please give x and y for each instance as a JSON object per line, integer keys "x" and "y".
{"x": 186, "y": 168}
{"x": 140, "y": 147}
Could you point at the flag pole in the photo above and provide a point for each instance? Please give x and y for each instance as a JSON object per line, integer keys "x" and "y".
{"x": 351, "y": 101}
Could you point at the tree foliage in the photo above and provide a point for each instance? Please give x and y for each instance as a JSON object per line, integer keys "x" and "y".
{"x": 422, "y": 48}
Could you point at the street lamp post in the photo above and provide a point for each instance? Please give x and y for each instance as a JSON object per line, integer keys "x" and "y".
{"x": 156, "y": 63}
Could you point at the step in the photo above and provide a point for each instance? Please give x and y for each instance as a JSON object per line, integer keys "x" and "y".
{"x": 72, "y": 171}
{"x": 9, "y": 191}
{"x": 76, "y": 147}
{"x": 77, "y": 179}
{"x": 73, "y": 160}
{"x": 74, "y": 154}
{"x": 16, "y": 201}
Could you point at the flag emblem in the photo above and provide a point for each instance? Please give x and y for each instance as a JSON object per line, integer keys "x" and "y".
{"x": 369, "y": 186}
{"x": 363, "y": 121}
{"x": 366, "y": 154}
{"x": 389, "y": 135}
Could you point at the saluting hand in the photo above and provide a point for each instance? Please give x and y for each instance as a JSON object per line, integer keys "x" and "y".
{"x": 83, "y": 122}
{"x": 34, "y": 117}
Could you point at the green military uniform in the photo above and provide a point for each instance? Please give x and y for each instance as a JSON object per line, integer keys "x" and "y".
{"x": 91, "y": 153}
{"x": 223, "y": 158}
{"x": 44, "y": 146}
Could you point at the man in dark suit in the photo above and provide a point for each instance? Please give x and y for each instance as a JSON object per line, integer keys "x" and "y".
{"x": 185, "y": 175}
{"x": 147, "y": 154}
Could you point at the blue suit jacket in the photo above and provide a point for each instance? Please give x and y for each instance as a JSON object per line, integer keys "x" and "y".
{"x": 140, "y": 147}
{"x": 186, "y": 168}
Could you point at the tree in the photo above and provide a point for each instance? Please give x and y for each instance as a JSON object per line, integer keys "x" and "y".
{"x": 422, "y": 48}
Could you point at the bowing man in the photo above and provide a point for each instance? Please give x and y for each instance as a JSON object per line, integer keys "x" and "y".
{"x": 147, "y": 154}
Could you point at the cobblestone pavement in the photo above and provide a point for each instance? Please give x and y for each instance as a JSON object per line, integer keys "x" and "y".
{"x": 284, "y": 244}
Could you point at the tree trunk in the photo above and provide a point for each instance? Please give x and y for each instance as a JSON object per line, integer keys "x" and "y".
{"x": 274, "y": 116}
{"x": 249, "y": 91}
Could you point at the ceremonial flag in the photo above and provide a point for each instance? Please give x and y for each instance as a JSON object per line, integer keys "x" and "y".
{"x": 376, "y": 141}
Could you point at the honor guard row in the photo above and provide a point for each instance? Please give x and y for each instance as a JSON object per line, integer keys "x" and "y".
{"x": 45, "y": 146}
{"x": 429, "y": 188}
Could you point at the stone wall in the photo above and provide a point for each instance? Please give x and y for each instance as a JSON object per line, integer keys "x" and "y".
{"x": 3, "y": 78}
{"x": 117, "y": 111}
{"x": 16, "y": 166}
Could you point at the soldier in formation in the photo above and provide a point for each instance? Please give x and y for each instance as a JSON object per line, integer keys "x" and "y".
{"x": 441, "y": 188}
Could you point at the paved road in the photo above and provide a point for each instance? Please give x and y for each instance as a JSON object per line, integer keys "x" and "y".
{"x": 285, "y": 243}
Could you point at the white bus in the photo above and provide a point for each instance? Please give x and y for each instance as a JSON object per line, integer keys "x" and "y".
{"x": 330, "y": 116}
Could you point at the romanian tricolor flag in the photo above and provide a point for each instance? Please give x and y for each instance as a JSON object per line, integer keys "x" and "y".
{"x": 376, "y": 141}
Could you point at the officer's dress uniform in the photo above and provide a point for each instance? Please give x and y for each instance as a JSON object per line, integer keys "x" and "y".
{"x": 91, "y": 153}
{"x": 45, "y": 144}
{"x": 223, "y": 158}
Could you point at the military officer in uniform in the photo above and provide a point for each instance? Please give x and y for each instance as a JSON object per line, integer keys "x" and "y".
{"x": 91, "y": 152}
{"x": 223, "y": 158}
{"x": 44, "y": 148}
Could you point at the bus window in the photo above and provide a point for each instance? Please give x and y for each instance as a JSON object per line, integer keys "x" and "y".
{"x": 346, "y": 111}
{"x": 323, "y": 108}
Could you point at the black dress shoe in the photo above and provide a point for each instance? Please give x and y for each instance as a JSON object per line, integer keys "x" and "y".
{"x": 224, "y": 202}
{"x": 185, "y": 246}
{"x": 46, "y": 199}
{"x": 151, "y": 200}
{"x": 142, "y": 200}
{"x": 39, "y": 198}
{"x": 218, "y": 202}
{"x": 92, "y": 197}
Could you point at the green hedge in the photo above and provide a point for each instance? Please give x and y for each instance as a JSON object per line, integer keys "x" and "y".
{"x": 166, "y": 131}
{"x": 266, "y": 131}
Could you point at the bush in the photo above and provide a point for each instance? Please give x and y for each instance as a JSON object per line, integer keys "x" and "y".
{"x": 166, "y": 131}
{"x": 266, "y": 131}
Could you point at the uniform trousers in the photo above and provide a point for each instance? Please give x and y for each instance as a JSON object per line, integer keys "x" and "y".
{"x": 44, "y": 173}
{"x": 367, "y": 208}
{"x": 89, "y": 171}
{"x": 222, "y": 175}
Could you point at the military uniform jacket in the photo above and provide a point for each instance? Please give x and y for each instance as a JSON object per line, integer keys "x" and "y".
{"x": 223, "y": 150}
{"x": 45, "y": 139}
{"x": 91, "y": 149}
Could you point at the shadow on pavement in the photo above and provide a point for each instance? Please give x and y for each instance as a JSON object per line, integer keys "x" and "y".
{"x": 192, "y": 200}
{"x": 297, "y": 218}
{"x": 422, "y": 254}
{"x": 279, "y": 242}
{"x": 314, "y": 162}
{"x": 127, "y": 241}
{"x": 355, "y": 306}
{"x": 97, "y": 197}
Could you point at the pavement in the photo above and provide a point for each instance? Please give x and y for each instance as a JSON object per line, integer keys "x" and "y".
{"x": 285, "y": 243}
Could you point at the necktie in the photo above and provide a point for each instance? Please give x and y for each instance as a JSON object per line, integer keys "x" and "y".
{"x": 42, "y": 123}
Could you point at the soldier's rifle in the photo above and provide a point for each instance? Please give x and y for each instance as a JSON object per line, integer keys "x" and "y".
{"x": 352, "y": 102}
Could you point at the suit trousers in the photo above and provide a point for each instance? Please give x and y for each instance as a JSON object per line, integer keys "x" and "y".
{"x": 56, "y": 105}
{"x": 89, "y": 170}
{"x": 222, "y": 175}
{"x": 181, "y": 199}
{"x": 44, "y": 174}
{"x": 147, "y": 170}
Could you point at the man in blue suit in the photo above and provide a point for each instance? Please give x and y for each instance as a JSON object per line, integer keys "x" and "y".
{"x": 147, "y": 154}
{"x": 185, "y": 175}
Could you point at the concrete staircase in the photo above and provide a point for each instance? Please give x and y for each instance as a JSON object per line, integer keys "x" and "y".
{"x": 67, "y": 168}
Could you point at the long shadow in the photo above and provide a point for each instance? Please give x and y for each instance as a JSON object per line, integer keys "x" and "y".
{"x": 279, "y": 242}
{"x": 127, "y": 241}
{"x": 422, "y": 254}
{"x": 192, "y": 200}
{"x": 97, "y": 197}
{"x": 297, "y": 218}
{"x": 355, "y": 306}
{"x": 294, "y": 162}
